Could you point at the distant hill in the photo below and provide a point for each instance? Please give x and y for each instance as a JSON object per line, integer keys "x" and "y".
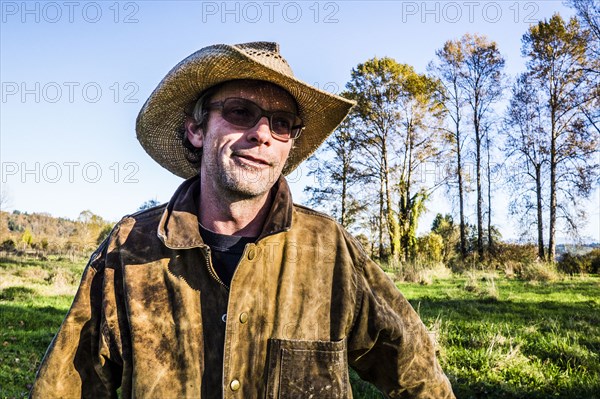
{"x": 43, "y": 232}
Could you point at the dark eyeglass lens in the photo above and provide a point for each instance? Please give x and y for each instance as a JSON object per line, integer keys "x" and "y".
{"x": 282, "y": 124}
{"x": 240, "y": 113}
{"x": 245, "y": 113}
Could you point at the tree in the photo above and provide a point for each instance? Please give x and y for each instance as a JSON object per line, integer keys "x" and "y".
{"x": 395, "y": 114}
{"x": 557, "y": 59}
{"x": 27, "y": 238}
{"x": 431, "y": 248}
{"x": 8, "y": 245}
{"x": 481, "y": 78}
{"x": 337, "y": 175}
{"x": 445, "y": 228}
{"x": 89, "y": 230}
{"x": 376, "y": 85}
{"x": 527, "y": 151}
{"x": 104, "y": 233}
{"x": 588, "y": 12}
{"x": 44, "y": 244}
{"x": 151, "y": 203}
{"x": 420, "y": 143}
{"x": 447, "y": 69}
{"x": 488, "y": 170}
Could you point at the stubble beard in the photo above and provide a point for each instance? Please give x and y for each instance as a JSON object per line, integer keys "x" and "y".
{"x": 240, "y": 182}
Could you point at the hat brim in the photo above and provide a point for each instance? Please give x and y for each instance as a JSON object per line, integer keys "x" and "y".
{"x": 163, "y": 114}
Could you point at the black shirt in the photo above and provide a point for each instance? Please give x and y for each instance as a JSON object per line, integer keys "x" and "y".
{"x": 226, "y": 252}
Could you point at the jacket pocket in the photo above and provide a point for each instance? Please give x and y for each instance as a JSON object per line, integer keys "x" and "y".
{"x": 307, "y": 369}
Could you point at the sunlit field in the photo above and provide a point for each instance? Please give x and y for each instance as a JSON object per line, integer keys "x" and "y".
{"x": 497, "y": 337}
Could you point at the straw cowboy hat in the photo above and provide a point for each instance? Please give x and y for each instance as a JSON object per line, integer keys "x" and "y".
{"x": 163, "y": 114}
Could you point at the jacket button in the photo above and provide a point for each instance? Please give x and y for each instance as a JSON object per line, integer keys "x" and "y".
{"x": 243, "y": 317}
{"x": 224, "y": 318}
{"x": 234, "y": 385}
{"x": 251, "y": 254}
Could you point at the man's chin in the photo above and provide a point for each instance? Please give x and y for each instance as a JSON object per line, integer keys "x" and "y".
{"x": 247, "y": 183}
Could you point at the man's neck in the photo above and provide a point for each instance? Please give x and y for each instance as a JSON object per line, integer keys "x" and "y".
{"x": 221, "y": 214}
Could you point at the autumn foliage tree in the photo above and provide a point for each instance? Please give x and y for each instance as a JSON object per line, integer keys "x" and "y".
{"x": 396, "y": 122}
{"x": 376, "y": 85}
{"x": 420, "y": 144}
{"x": 557, "y": 60}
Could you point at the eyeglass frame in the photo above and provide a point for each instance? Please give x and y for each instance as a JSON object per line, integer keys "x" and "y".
{"x": 299, "y": 128}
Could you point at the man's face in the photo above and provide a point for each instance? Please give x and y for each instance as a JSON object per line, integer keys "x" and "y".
{"x": 243, "y": 162}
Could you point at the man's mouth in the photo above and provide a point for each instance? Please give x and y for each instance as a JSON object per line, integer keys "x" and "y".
{"x": 251, "y": 159}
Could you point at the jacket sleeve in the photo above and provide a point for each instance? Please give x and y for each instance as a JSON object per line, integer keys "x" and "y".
{"x": 389, "y": 345}
{"x": 83, "y": 360}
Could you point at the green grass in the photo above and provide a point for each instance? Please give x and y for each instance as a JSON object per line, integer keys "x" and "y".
{"x": 524, "y": 341}
{"x": 34, "y": 297}
{"x": 498, "y": 338}
{"x": 27, "y": 328}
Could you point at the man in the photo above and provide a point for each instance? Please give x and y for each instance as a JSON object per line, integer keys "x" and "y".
{"x": 230, "y": 290}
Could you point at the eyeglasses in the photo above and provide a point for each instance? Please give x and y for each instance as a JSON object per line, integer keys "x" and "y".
{"x": 245, "y": 113}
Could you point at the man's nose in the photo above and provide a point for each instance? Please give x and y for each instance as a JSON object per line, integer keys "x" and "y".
{"x": 261, "y": 132}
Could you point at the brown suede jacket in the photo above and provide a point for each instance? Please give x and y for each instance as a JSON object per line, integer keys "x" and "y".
{"x": 305, "y": 302}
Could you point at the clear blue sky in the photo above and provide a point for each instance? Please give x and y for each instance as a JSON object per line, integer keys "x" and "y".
{"x": 75, "y": 74}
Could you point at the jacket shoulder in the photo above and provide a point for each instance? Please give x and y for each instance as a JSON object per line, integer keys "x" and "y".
{"x": 144, "y": 220}
{"x": 135, "y": 228}
{"x": 324, "y": 224}
{"x": 311, "y": 212}
{"x": 147, "y": 214}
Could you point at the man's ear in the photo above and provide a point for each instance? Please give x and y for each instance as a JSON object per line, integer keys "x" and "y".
{"x": 194, "y": 133}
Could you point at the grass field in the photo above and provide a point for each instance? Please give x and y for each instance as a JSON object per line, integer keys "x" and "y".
{"x": 512, "y": 339}
{"x": 498, "y": 338}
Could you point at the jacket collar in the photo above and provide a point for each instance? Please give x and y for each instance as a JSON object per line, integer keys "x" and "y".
{"x": 178, "y": 226}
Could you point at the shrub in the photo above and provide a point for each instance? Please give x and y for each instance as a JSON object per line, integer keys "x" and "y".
{"x": 418, "y": 272}
{"x": 595, "y": 261}
{"x": 409, "y": 271}
{"x": 458, "y": 265}
{"x": 506, "y": 252}
{"x": 576, "y": 264}
{"x": 572, "y": 264}
{"x": 62, "y": 277}
{"x": 538, "y": 272}
{"x": 35, "y": 274}
{"x": 483, "y": 284}
{"x": 490, "y": 293}
{"x": 512, "y": 269}
{"x": 15, "y": 293}
{"x": 472, "y": 283}
{"x": 430, "y": 248}
{"x": 8, "y": 245}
